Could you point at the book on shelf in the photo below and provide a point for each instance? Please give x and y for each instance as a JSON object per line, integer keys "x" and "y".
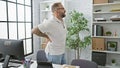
{"x": 97, "y": 30}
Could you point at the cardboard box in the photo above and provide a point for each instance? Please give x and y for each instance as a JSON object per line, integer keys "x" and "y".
{"x": 99, "y": 1}
{"x": 98, "y": 44}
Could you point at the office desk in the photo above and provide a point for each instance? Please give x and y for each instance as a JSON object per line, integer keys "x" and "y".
{"x": 34, "y": 65}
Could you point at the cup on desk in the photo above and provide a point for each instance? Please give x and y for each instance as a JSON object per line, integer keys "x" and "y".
{"x": 77, "y": 66}
{"x": 1, "y": 65}
{"x": 70, "y": 66}
{"x": 27, "y": 63}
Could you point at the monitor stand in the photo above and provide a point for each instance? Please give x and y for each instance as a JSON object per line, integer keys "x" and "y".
{"x": 6, "y": 61}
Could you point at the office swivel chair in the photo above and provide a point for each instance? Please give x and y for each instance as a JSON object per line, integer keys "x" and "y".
{"x": 84, "y": 63}
{"x": 1, "y": 58}
{"x": 41, "y": 56}
{"x": 42, "y": 60}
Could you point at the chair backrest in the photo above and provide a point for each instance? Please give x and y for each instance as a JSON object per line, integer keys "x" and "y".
{"x": 41, "y": 56}
{"x": 84, "y": 63}
{"x": 42, "y": 61}
{"x": 44, "y": 65}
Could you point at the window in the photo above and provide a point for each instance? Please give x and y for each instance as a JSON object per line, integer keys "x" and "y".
{"x": 16, "y": 22}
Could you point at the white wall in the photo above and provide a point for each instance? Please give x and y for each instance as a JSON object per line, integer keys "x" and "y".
{"x": 86, "y": 9}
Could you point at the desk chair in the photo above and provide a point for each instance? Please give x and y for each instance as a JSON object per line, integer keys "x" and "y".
{"x": 41, "y": 56}
{"x": 44, "y": 65}
{"x": 42, "y": 60}
{"x": 84, "y": 63}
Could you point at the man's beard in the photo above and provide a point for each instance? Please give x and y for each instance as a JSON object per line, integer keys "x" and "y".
{"x": 63, "y": 15}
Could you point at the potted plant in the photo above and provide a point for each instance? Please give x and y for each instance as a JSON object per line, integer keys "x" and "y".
{"x": 112, "y": 47}
{"x": 47, "y": 7}
{"x": 108, "y": 33}
{"x": 113, "y": 62}
{"x": 78, "y": 36}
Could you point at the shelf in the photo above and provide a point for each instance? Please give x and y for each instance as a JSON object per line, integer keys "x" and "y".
{"x": 43, "y": 2}
{"x": 102, "y": 22}
{"x": 108, "y": 66}
{"x": 105, "y": 12}
{"x": 45, "y": 10}
{"x": 106, "y": 22}
{"x": 111, "y": 52}
{"x": 115, "y": 37}
{"x": 105, "y": 4}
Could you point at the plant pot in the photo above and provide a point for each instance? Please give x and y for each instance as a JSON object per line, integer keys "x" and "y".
{"x": 113, "y": 64}
{"x": 112, "y": 49}
{"x": 108, "y": 34}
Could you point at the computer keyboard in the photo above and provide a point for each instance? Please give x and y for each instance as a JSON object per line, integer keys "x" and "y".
{"x": 1, "y": 59}
{"x": 14, "y": 65}
{"x": 16, "y": 61}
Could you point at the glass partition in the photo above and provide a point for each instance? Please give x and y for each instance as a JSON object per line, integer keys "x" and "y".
{"x": 29, "y": 45}
{"x": 28, "y": 30}
{"x": 28, "y": 15}
{"x": 12, "y": 11}
{"x": 12, "y": 0}
{"x": 21, "y": 30}
{"x": 28, "y": 2}
{"x": 20, "y": 1}
{"x": 3, "y": 16}
{"x": 13, "y": 30}
{"x": 20, "y": 13}
{"x": 3, "y": 32}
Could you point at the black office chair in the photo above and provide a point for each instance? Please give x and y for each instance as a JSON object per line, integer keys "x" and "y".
{"x": 41, "y": 56}
{"x": 84, "y": 63}
{"x": 42, "y": 60}
{"x": 44, "y": 65}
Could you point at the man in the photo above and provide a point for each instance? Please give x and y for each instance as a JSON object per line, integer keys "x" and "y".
{"x": 55, "y": 31}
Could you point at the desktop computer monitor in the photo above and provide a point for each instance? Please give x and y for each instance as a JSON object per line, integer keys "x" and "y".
{"x": 11, "y": 48}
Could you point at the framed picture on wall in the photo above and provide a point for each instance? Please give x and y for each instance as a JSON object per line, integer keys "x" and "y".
{"x": 112, "y": 45}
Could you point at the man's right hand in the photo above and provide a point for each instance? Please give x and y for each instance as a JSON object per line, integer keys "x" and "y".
{"x": 37, "y": 32}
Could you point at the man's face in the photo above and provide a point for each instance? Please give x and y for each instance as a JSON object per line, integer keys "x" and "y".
{"x": 61, "y": 11}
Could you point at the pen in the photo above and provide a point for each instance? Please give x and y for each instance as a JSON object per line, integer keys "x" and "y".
{"x": 30, "y": 60}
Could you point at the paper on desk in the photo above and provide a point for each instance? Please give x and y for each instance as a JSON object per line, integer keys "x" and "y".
{"x": 1, "y": 65}
{"x": 70, "y": 66}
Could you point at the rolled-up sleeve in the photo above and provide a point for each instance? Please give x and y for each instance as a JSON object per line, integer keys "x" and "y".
{"x": 44, "y": 27}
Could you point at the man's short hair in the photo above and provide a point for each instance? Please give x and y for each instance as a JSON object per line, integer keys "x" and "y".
{"x": 55, "y": 6}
